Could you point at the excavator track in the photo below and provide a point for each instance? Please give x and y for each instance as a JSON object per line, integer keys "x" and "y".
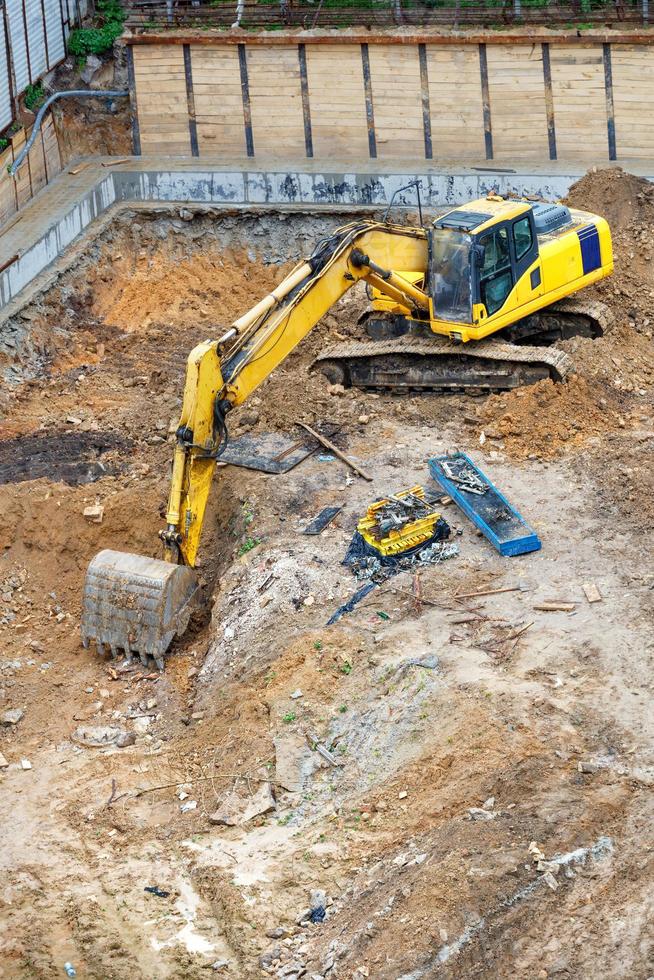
{"x": 595, "y": 310}
{"x": 436, "y": 364}
{"x": 571, "y": 317}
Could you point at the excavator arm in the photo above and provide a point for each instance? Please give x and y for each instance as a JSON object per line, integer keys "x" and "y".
{"x": 139, "y": 604}
{"x": 223, "y": 374}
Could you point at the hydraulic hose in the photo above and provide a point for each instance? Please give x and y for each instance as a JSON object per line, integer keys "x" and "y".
{"x": 73, "y": 93}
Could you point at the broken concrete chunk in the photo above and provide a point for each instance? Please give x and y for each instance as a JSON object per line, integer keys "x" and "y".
{"x": 587, "y": 767}
{"x": 12, "y": 717}
{"x": 236, "y": 810}
{"x": 94, "y": 513}
{"x": 317, "y": 898}
{"x": 93, "y": 63}
{"x": 478, "y": 813}
{"x": 25, "y": 764}
{"x": 295, "y": 763}
{"x": 99, "y": 736}
{"x": 274, "y": 953}
{"x": 3, "y": 762}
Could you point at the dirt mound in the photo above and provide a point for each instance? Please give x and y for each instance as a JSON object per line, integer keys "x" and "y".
{"x": 627, "y": 202}
{"x": 546, "y": 418}
{"x": 622, "y": 198}
{"x": 204, "y": 289}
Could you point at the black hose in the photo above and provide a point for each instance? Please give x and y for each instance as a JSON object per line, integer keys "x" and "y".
{"x": 73, "y": 93}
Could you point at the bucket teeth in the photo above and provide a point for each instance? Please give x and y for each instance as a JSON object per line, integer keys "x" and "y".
{"x": 136, "y": 605}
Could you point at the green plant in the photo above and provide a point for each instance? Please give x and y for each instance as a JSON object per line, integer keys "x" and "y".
{"x": 342, "y": 708}
{"x": 34, "y": 96}
{"x": 247, "y": 545}
{"x": 317, "y": 645}
{"x": 285, "y": 819}
{"x": 346, "y": 667}
{"x": 289, "y": 717}
{"x": 4, "y": 143}
{"x": 110, "y": 18}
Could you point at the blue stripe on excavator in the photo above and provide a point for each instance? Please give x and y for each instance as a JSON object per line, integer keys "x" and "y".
{"x": 590, "y": 248}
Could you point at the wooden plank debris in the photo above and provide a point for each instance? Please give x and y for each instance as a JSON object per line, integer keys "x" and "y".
{"x": 591, "y": 592}
{"x": 336, "y": 451}
{"x": 472, "y": 595}
{"x": 556, "y": 606}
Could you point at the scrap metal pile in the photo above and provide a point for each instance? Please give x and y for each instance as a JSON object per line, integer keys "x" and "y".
{"x": 464, "y": 476}
{"x": 400, "y": 532}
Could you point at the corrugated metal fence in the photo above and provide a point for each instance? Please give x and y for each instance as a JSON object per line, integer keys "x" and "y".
{"x": 33, "y": 37}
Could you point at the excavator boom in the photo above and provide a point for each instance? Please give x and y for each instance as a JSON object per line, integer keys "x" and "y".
{"x": 137, "y": 604}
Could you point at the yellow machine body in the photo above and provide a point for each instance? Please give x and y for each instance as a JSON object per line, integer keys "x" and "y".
{"x": 382, "y": 303}
{"x": 403, "y": 539}
{"x": 529, "y": 267}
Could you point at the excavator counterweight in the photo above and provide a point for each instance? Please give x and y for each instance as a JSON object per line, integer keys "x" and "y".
{"x": 495, "y": 268}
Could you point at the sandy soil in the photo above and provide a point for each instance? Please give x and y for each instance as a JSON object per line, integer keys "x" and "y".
{"x": 524, "y": 726}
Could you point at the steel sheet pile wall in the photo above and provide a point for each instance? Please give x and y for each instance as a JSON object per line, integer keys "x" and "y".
{"x": 6, "y": 110}
{"x": 33, "y": 36}
{"x": 398, "y": 99}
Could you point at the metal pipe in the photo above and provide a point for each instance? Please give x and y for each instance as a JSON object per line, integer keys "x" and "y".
{"x": 73, "y": 93}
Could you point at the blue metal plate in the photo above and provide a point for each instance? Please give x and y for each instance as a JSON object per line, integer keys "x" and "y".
{"x": 491, "y": 512}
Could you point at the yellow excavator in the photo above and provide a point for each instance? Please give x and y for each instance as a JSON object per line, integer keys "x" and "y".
{"x": 493, "y": 267}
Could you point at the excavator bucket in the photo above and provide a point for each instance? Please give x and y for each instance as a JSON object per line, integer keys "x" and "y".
{"x": 136, "y": 604}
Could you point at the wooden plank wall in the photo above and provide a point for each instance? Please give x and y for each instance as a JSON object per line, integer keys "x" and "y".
{"x": 347, "y": 102}
{"x": 42, "y": 164}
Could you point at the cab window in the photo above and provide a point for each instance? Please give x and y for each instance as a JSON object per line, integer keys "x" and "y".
{"x": 522, "y": 237}
{"x": 496, "y": 279}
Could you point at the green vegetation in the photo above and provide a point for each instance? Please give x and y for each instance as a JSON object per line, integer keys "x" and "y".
{"x": 4, "y": 143}
{"x": 110, "y": 18}
{"x": 346, "y": 667}
{"x": 247, "y": 545}
{"x": 289, "y": 717}
{"x": 34, "y": 97}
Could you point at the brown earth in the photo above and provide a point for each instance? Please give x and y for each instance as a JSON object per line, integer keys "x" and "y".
{"x": 525, "y": 726}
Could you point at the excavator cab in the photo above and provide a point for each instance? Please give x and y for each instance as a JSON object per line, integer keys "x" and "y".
{"x": 497, "y": 261}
